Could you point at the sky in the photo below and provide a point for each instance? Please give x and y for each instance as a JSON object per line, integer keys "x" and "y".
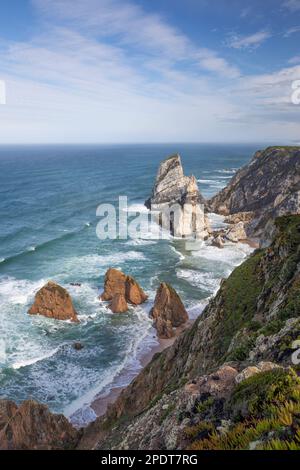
{"x": 125, "y": 71}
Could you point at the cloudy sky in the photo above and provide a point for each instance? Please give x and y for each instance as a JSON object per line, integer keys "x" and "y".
{"x": 149, "y": 70}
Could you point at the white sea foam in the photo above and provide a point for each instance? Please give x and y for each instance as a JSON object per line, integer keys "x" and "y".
{"x": 210, "y": 182}
{"x": 204, "y": 280}
{"x": 94, "y": 265}
{"x": 140, "y": 242}
{"x": 79, "y": 411}
{"x": 29, "y": 362}
{"x": 31, "y": 248}
{"x": 232, "y": 253}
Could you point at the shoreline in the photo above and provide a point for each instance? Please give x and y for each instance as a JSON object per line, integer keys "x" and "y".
{"x": 101, "y": 402}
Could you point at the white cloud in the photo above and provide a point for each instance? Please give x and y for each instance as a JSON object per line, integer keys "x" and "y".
{"x": 249, "y": 42}
{"x": 295, "y": 60}
{"x": 292, "y": 5}
{"x": 98, "y": 73}
{"x": 290, "y": 31}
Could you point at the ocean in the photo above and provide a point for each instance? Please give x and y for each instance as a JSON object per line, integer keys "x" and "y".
{"x": 49, "y": 197}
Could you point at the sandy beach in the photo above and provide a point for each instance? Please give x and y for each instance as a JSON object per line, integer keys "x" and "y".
{"x": 101, "y": 402}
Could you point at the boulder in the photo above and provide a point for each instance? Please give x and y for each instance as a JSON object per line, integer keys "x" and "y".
{"x": 218, "y": 241}
{"x": 53, "y": 301}
{"x": 236, "y": 233}
{"x": 168, "y": 307}
{"x": 120, "y": 289}
{"x": 32, "y": 426}
{"x": 253, "y": 370}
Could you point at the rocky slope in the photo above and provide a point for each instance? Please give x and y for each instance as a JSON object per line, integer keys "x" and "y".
{"x": 268, "y": 187}
{"x": 219, "y": 386}
{"x": 172, "y": 188}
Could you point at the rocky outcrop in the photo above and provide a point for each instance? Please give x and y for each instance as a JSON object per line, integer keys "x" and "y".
{"x": 168, "y": 311}
{"x": 236, "y": 233}
{"x": 189, "y": 392}
{"x": 32, "y": 426}
{"x": 268, "y": 187}
{"x": 53, "y": 301}
{"x": 177, "y": 201}
{"x": 120, "y": 289}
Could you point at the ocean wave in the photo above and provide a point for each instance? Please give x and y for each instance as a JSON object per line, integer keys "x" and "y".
{"x": 42, "y": 246}
{"x": 228, "y": 170}
{"x": 232, "y": 253}
{"x": 79, "y": 411}
{"x": 91, "y": 266}
{"x": 204, "y": 280}
{"x": 31, "y": 361}
{"x": 210, "y": 182}
{"x": 140, "y": 242}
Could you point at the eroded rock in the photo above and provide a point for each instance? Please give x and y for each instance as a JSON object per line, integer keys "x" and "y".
{"x": 120, "y": 289}
{"x": 32, "y": 426}
{"x": 168, "y": 310}
{"x": 53, "y": 301}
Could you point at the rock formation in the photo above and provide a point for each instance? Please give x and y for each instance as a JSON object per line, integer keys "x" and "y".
{"x": 268, "y": 187}
{"x": 168, "y": 311}
{"x": 219, "y": 385}
{"x": 236, "y": 233}
{"x": 178, "y": 200}
{"x": 120, "y": 289}
{"x": 53, "y": 301}
{"x": 32, "y": 426}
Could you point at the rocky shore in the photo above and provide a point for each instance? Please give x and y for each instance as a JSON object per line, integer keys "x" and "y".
{"x": 226, "y": 381}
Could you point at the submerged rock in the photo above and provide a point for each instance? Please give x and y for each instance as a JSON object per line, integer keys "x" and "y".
{"x": 174, "y": 190}
{"x": 32, "y": 426}
{"x": 218, "y": 241}
{"x": 168, "y": 311}
{"x": 120, "y": 289}
{"x": 53, "y": 301}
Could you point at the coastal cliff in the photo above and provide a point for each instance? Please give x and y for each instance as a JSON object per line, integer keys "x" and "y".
{"x": 175, "y": 192}
{"x": 230, "y": 367}
{"x": 266, "y": 188}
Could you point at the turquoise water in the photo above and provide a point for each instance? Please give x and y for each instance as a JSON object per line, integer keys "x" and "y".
{"x": 49, "y": 196}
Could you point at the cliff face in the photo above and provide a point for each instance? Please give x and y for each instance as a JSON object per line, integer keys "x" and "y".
{"x": 197, "y": 388}
{"x": 173, "y": 188}
{"x": 32, "y": 426}
{"x": 269, "y": 186}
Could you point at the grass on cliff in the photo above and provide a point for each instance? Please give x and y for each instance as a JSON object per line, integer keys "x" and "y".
{"x": 266, "y": 415}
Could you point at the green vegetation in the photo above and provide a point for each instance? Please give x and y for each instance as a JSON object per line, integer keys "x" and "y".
{"x": 266, "y": 409}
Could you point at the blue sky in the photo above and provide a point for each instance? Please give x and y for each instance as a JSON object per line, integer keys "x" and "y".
{"x": 149, "y": 71}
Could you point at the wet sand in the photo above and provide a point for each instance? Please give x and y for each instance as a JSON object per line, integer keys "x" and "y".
{"x": 101, "y": 402}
